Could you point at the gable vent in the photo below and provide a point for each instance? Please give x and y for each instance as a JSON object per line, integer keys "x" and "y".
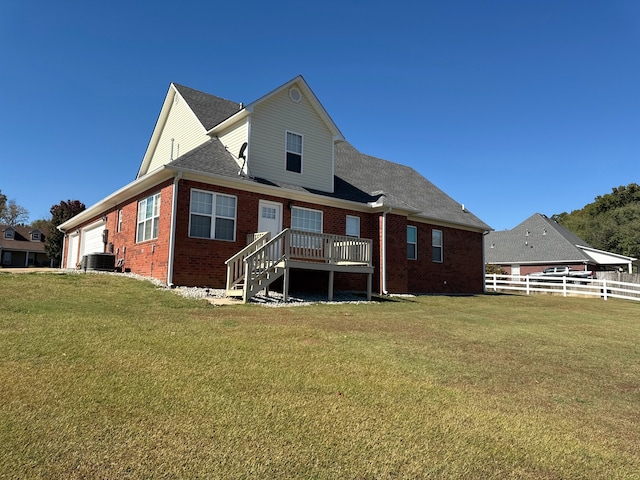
{"x": 295, "y": 95}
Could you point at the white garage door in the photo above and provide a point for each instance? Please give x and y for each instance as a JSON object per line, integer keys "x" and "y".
{"x": 92, "y": 239}
{"x": 72, "y": 256}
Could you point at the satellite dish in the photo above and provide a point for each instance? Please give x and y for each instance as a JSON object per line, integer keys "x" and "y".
{"x": 242, "y": 150}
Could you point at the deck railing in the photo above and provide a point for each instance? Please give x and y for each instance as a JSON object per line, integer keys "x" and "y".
{"x": 260, "y": 256}
{"x": 236, "y": 264}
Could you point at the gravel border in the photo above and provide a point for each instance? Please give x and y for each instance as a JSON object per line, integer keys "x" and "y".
{"x": 274, "y": 299}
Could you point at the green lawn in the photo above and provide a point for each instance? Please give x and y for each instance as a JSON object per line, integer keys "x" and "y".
{"x": 108, "y": 377}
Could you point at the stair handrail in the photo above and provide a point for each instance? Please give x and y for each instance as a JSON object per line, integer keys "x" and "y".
{"x": 236, "y": 264}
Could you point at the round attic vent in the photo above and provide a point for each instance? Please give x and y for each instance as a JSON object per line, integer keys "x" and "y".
{"x": 294, "y": 94}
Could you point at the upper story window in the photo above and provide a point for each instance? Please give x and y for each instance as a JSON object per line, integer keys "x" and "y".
{"x": 294, "y": 153}
{"x": 412, "y": 242}
{"x": 436, "y": 246}
{"x": 353, "y": 226}
{"x": 119, "y": 228}
{"x": 35, "y": 236}
{"x": 8, "y": 233}
{"x": 148, "y": 218}
{"x": 212, "y": 215}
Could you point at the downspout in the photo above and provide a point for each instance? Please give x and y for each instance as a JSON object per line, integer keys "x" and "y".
{"x": 64, "y": 245}
{"x": 172, "y": 233}
{"x": 384, "y": 252}
{"x": 484, "y": 265}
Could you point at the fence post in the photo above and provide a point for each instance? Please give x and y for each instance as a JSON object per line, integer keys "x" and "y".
{"x": 526, "y": 281}
{"x": 495, "y": 287}
{"x": 564, "y": 286}
{"x": 604, "y": 289}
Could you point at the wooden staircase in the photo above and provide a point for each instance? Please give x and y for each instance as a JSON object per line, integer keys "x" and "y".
{"x": 265, "y": 259}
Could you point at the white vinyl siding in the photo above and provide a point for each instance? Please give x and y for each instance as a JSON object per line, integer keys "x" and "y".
{"x": 269, "y": 124}
{"x": 234, "y": 137}
{"x": 212, "y": 215}
{"x": 184, "y": 128}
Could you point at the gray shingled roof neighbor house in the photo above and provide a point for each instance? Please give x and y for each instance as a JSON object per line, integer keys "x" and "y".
{"x": 542, "y": 241}
{"x": 537, "y": 240}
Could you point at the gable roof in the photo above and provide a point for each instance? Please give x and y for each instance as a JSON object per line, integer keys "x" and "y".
{"x": 209, "y": 109}
{"x": 21, "y": 240}
{"x": 359, "y": 178}
{"x": 537, "y": 240}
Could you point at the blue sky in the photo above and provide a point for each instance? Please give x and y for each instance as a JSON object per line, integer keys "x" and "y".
{"x": 510, "y": 107}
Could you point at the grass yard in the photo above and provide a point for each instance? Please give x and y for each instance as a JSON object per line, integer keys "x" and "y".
{"x": 108, "y": 377}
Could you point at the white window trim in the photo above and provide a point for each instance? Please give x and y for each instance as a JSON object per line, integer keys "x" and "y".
{"x": 213, "y": 216}
{"x": 309, "y": 210}
{"x": 346, "y": 227}
{"x": 156, "y": 198}
{"x": 415, "y": 257}
{"x": 119, "y": 228}
{"x": 441, "y": 246}
{"x": 286, "y": 151}
{"x": 9, "y": 233}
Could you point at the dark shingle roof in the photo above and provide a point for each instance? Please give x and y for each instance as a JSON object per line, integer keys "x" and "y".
{"x": 358, "y": 178}
{"x": 209, "y": 109}
{"x": 22, "y": 239}
{"x": 402, "y": 186}
{"x": 536, "y": 240}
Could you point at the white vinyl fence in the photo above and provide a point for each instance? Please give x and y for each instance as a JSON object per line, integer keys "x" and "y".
{"x": 566, "y": 286}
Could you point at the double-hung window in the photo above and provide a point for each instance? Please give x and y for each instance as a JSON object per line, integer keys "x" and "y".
{"x": 294, "y": 153}
{"x": 353, "y": 226}
{"x": 212, "y": 215}
{"x": 412, "y": 242}
{"x": 306, "y": 220}
{"x": 148, "y": 218}
{"x": 436, "y": 246}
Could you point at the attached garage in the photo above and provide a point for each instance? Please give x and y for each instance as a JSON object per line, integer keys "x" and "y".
{"x": 91, "y": 239}
{"x": 72, "y": 257}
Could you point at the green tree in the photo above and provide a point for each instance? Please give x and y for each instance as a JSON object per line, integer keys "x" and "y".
{"x": 60, "y": 213}
{"x": 11, "y": 213}
{"x": 611, "y": 222}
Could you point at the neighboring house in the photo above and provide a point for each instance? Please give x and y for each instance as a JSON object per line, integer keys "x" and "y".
{"x": 540, "y": 242}
{"x": 22, "y": 247}
{"x": 217, "y": 172}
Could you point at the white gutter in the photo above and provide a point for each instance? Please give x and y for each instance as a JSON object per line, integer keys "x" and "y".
{"x": 384, "y": 252}
{"x": 484, "y": 264}
{"x": 172, "y": 233}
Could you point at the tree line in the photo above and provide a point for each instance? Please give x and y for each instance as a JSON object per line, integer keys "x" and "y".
{"x": 610, "y": 223}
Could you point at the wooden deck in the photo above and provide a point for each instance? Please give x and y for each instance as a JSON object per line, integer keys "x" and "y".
{"x": 266, "y": 259}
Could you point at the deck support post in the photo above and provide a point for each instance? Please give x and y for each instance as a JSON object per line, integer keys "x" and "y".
{"x": 285, "y": 284}
{"x": 331, "y": 275}
{"x": 369, "y": 281}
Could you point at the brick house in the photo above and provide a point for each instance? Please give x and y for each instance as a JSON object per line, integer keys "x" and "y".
{"x": 216, "y": 174}
{"x": 540, "y": 242}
